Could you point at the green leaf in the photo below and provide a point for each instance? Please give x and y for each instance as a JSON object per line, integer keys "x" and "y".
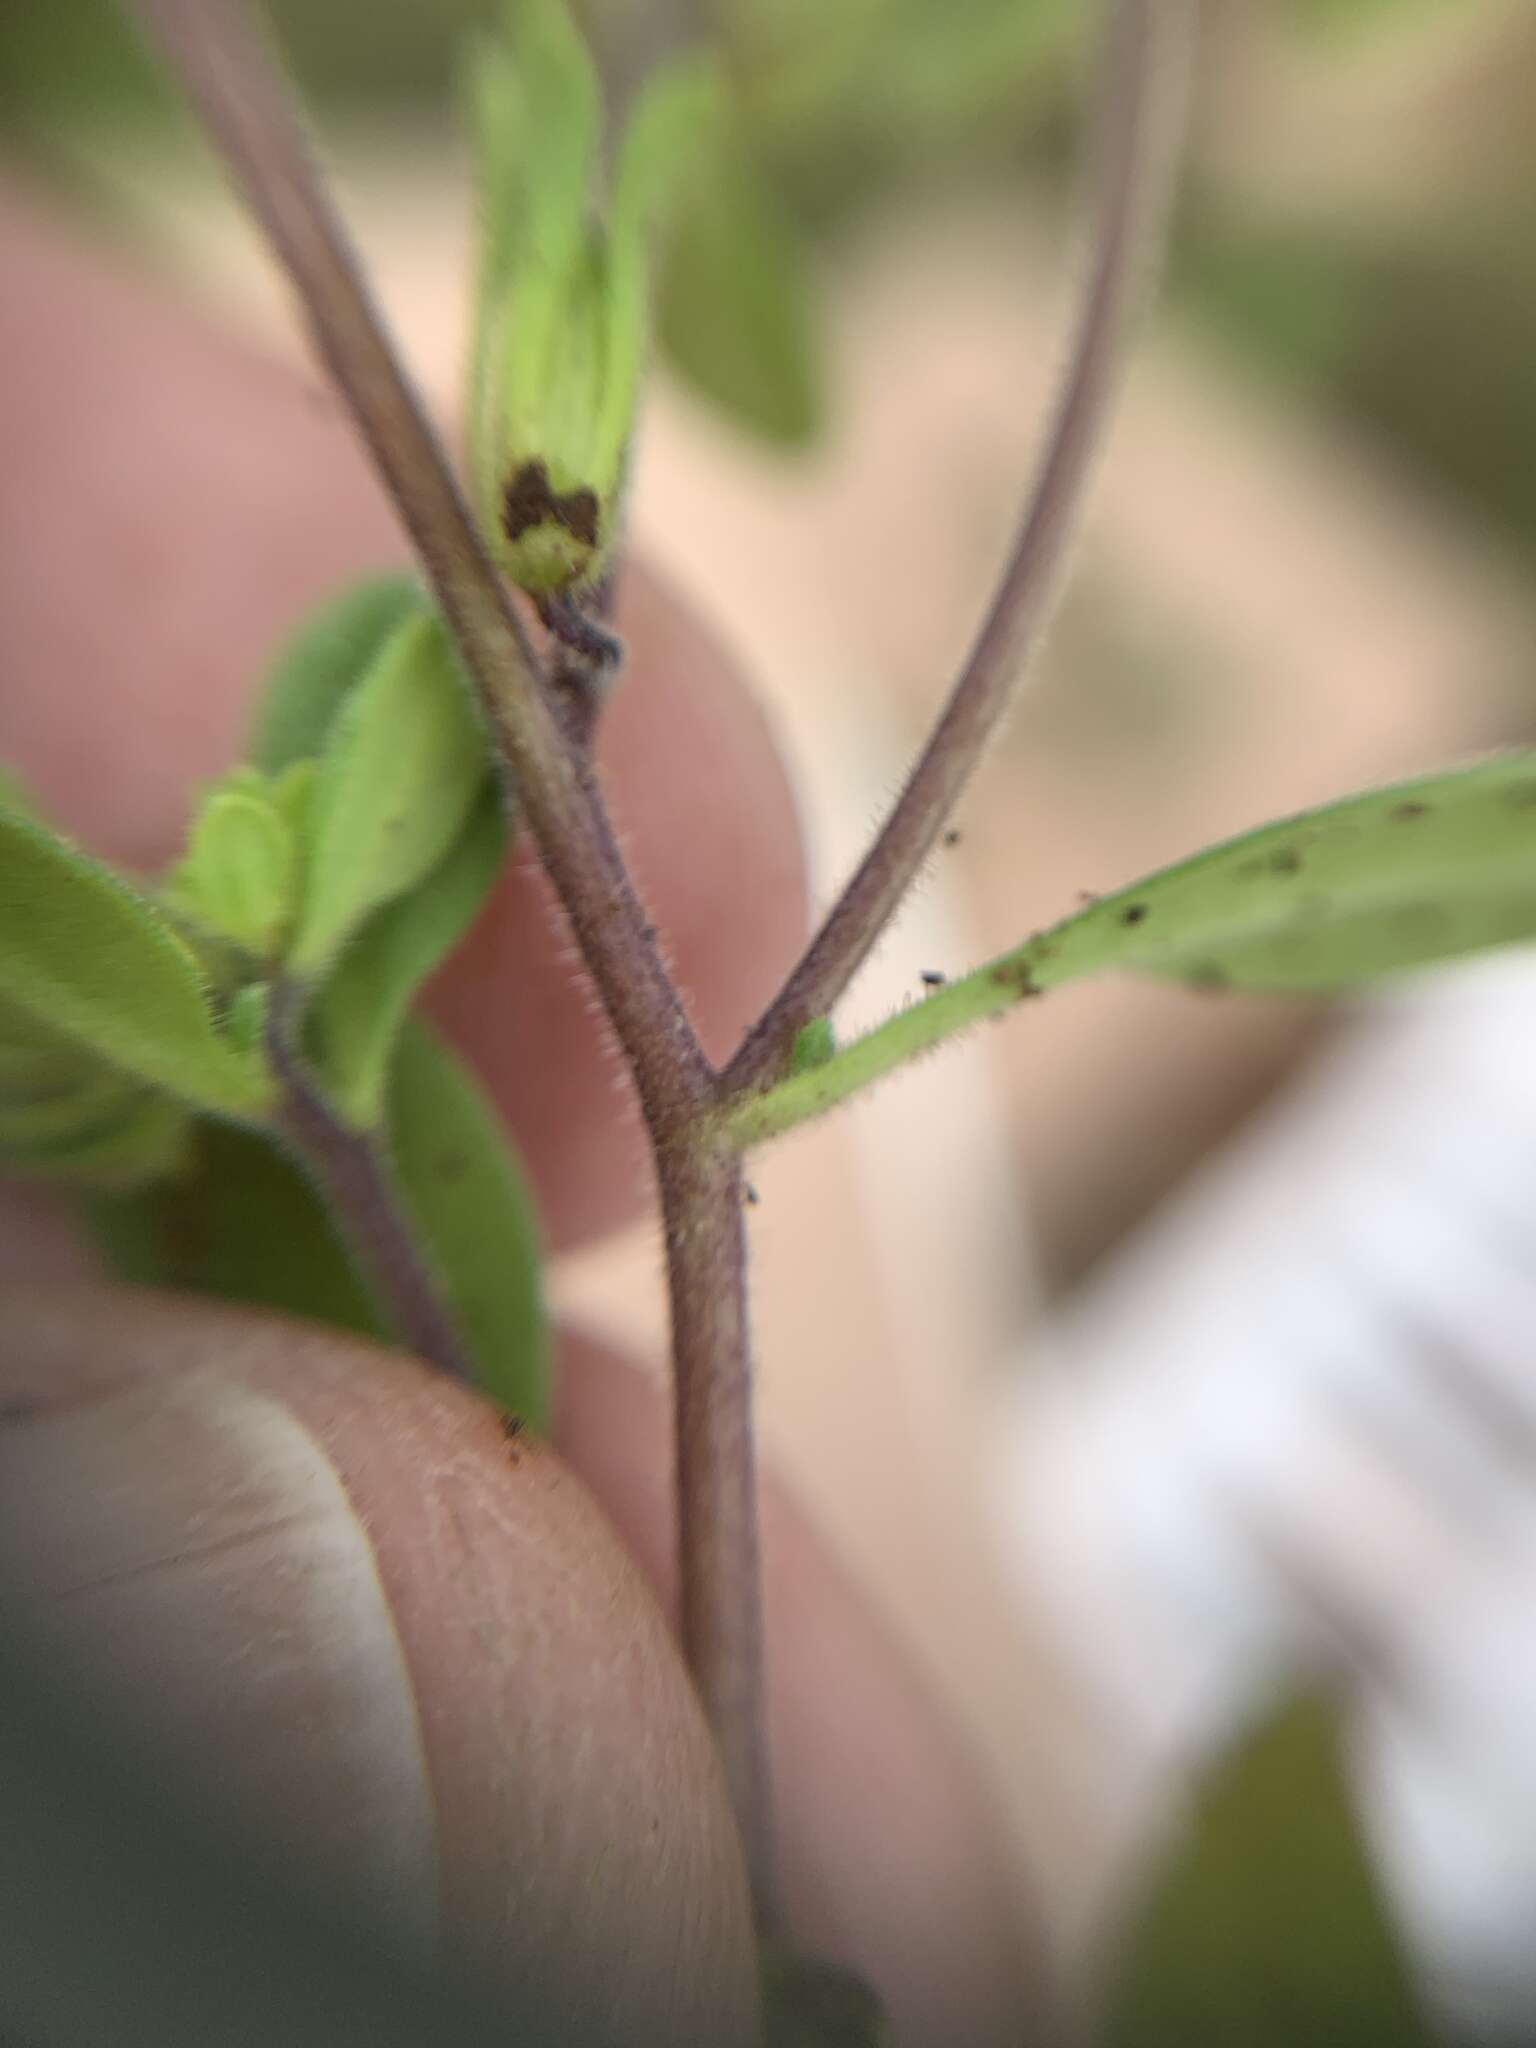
{"x": 1265, "y": 1927}
{"x": 67, "y": 1116}
{"x": 1333, "y": 898}
{"x": 356, "y": 1018}
{"x": 672, "y": 127}
{"x": 467, "y": 1194}
{"x": 332, "y": 650}
{"x": 87, "y": 955}
{"x": 678, "y": 106}
{"x": 241, "y": 1223}
{"x": 403, "y": 765}
{"x": 102, "y": 1137}
{"x": 735, "y": 311}
{"x": 535, "y": 122}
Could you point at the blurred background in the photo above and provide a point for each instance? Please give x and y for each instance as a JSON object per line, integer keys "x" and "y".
{"x": 1152, "y": 1358}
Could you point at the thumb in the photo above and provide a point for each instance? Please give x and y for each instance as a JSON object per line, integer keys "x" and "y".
{"x": 370, "y": 1635}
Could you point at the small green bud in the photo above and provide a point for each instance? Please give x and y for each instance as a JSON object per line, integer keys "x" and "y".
{"x": 561, "y": 313}
{"x": 814, "y": 1045}
{"x": 241, "y": 871}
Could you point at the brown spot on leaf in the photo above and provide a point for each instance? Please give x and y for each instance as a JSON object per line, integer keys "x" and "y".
{"x": 1285, "y": 860}
{"x": 1208, "y": 979}
{"x": 1016, "y": 975}
{"x": 1133, "y": 913}
{"x": 529, "y": 501}
{"x": 1405, "y": 813}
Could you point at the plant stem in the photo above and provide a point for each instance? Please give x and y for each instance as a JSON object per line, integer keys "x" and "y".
{"x": 228, "y": 74}
{"x": 701, "y": 1198}
{"x": 248, "y": 112}
{"x": 353, "y": 1174}
{"x": 753, "y": 1119}
{"x": 1135, "y": 125}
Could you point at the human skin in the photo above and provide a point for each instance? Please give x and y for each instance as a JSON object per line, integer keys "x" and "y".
{"x": 169, "y": 505}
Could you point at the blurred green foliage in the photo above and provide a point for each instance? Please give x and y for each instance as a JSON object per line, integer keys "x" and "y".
{"x": 1424, "y": 339}
{"x": 1427, "y": 343}
{"x": 1264, "y": 1930}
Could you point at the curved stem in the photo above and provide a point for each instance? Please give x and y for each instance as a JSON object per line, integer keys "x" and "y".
{"x": 1135, "y": 124}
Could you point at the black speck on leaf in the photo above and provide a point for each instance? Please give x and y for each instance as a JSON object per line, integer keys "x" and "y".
{"x": 1133, "y": 913}
{"x": 1407, "y": 812}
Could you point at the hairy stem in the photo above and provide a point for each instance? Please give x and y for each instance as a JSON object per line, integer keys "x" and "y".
{"x": 701, "y": 1198}
{"x": 248, "y": 112}
{"x": 1134, "y": 159}
{"x": 752, "y": 1119}
{"x": 355, "y": 1179}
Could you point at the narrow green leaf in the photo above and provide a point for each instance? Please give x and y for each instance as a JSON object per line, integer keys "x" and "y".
{"x": 1265, "y": 1927}
{"x": 356, "y": 1017}
{"x": 1334, "y": 898}
{"x": 240, "y": 1222}
{"x": 535, "y": 121}
{"x": 404, "y": 762}
{"x": 735, "y": 310}
{"x": 672, "y": 130}
{"x": 87, "y": 955}
{"x": 332, "y": 650}
{"x": 471, "y": 1203}
{"x": 679, "y": 106}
